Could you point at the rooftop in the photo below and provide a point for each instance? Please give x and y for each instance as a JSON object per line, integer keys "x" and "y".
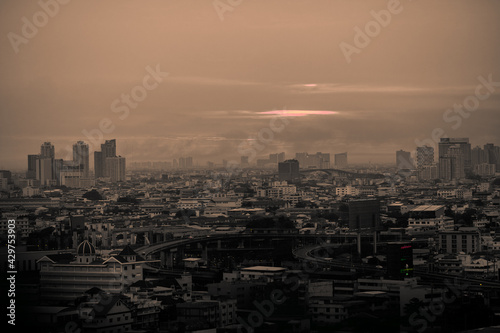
{"x": 264, "y": 269}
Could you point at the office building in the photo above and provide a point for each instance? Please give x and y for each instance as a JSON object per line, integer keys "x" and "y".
{"x": 32, "y": 161}
{"x": 45, "y": 171}
{"x": 452, "y": 164}
{"x": 107, "y": 164}
{"x": 341, "y": 160}
{"x": 47, "y": 150}
{"x": 81, "y": 157}
{"x": 289, "y": 171}
{"x": 492, "y": 155}
{"x": 478, "y": 156}
{"x": 98, "y": 164}
{"x": 464, "y": 149}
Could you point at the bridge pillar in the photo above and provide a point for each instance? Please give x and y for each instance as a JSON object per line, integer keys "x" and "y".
{"x": 359, "y": 243}
{"x": 204, "y": 253}
{"x": 163, "y": 260}
{"x": 375, "y": 242}
{"x": 219, "y": 244}
{"x": 241, "y": 244}
{"x": 179, "y": 255}
{"x": 169, "y": 263}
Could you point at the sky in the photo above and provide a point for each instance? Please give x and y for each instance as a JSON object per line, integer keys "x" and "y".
{"x": 240, "y": 77}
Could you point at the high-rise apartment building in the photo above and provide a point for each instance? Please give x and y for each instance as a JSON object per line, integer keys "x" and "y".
{"x": 425, "y": 156}
{"x": 108, "y": 148}
{"x": 115, "y": 168}
{"x": 107, "y": 164}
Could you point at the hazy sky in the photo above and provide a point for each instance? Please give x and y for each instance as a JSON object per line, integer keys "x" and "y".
{"x": 225, "y": 75}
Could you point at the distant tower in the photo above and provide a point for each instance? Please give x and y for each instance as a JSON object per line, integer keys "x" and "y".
{"x": 452, "y": 164}
{"x": 425, "y": 156}
{"x": 81, "y": 157}
{"x": 47, "y": 150}
{"x": 341, "y": 160}
{"x": 464, "y": 148}
{"x": 289, "y": 171}
{"x": 115, "y": 168}
{"x": 108, "y": 148}
{"x": 32, "y": 161}
{"x": 404, "y": 160}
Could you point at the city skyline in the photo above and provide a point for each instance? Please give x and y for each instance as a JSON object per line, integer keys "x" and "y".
{"x": 244, "y": 66}
{"x": 316, "y": 158}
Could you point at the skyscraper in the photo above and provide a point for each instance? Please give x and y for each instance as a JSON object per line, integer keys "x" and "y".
{"x": 98, "y": 164}
{"x": 491, "y": 154}
{"x": 341, "y": 160}
{"x": 425, "y": 156}
{"x": 478, "y": 156}
{"x": 115, "y": 168}
{"x": 465, "y": 150}
{"x": 108, "y": 148}
{"x": 452, "y": 163}
{"x": 45, "y": 166}
{"x": 289, "y": 171}
{"x": 47, "y": 150}
{"x": 81, "y": 157}
{"x": 32, "y": 161}
{"x": 107, "y": 164}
